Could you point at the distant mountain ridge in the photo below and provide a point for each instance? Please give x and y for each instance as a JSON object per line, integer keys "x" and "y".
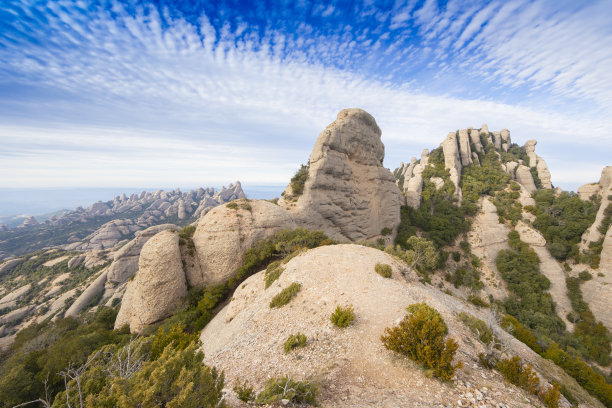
{"x": 103, "y": 224}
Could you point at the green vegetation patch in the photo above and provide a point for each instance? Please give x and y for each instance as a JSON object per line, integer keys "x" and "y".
{"x": 286, "y": 295}
{"x": 529, "y": 302}
{"x": 421, "y": 337}
{"x": 343, "y": 316}
{"x": 284, "y": 388}
{"x": 232, "y": 205}
{"x": 299, "y": 180}
{"x": 273, "y": 272}
{"x": 187, "y": 232}
{"x": 594, "y": 338}
{"x": 294, "y": 341}
{"x": 383, "y": 270}
{"x": 244, "y": 391}
{"x": 562, "y": 219}
{"x": 487, "y": 178}
{"x": 508, "y": 207}
{"x": 477, "y": 327}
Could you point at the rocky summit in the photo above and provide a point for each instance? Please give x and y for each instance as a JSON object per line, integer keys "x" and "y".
{"x": 462, "y": 278}
{"x": 348, "y": 193}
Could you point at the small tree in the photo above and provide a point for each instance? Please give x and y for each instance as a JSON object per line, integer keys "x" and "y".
{"x": 420, "y": 336}
{"x": 421, "y": 253}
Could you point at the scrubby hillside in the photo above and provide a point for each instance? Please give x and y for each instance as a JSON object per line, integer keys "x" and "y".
{"x": 461, "y": 284}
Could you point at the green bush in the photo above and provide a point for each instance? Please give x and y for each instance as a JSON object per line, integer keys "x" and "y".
{"x": 244, "y": 391}
{"x": 383, "y": 270}
{"x": 477, "y": 327}
{"x": 420, "y": 336}
{"x": 273, "y": 272}
{"x": 550, "y": 396}
{"x": 518, "y": 374}
{"x": 386, "y": 231}
{"x": 591, "y": 381}
{"x": 298, "y": 392}
{"x": 233, "y": 205}
{"x": 285, "y": 295}
{"x": 585, "y": 276}
{"x": 299, "y": 180}
{"x": 514, "y": 327}
{"x": 343, "y": 316}
{"x": 187, "y": 232}
{"x": 294, "y": 341}
{"x": 477, "y": 301}
{"x": 174, "y": 336}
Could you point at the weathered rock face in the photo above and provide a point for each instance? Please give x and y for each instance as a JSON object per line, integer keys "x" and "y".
{"x": 348, "y": 194}
{"x": 7, "y": 266}
{"x": 89, "y": 294}
{"x": 452, "y": 158}
{"x": 604, "y": 190}
{"x": 539, "y": 163}
{"x": 586, "y": 191}
{"x": 125, "y": 261}
{"x": 159, "y": 286}
{"x": 523, "y": 176}
{"x": 225, "y": 234}
{"x": 487, "y": 237}
{"x": 549, "y": 268}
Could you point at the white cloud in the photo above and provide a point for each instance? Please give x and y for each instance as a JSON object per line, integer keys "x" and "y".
{"x": 146, "y": 106}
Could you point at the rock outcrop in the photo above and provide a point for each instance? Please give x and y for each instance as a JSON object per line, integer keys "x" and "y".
{"x": 88, "y": 295}
{"x": 159, "y": 286}
{"x": 452, "y": 157}
{"x": 487, "y": 237}
{"x": 348, "y": 193}
{"x": 224, "y": 234}
{"x": 537, "y": 162}
{"x": 604, "y": 190}
{"x": 125, "y": 260}
{"x": 8, "y": 266}
{"x": 524, "y": 177}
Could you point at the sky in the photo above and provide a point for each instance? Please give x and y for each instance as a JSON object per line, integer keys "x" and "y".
{"x": 203, "y": 93}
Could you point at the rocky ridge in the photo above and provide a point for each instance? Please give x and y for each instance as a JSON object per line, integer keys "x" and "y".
{"x": 104, "y": 224}
{"x": 459, "y": 150}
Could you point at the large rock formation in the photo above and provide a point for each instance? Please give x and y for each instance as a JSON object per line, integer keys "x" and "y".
{"x": 452, "y": 157}
{"x": 524, "y": 177}
{"x": 411, "y": 175}
{"x": 159, "y": 286}
{"x": 225, "y": 234}
{"x": 487, "y": 237}
{"x": 537, "y": 162}
{"x": 348, "y": 194}
{"x": 603, "y": 189}
{"x": 125, "y": 260}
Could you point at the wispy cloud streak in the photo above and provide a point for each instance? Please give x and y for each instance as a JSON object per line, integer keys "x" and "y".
{"x": 133, "y": 90}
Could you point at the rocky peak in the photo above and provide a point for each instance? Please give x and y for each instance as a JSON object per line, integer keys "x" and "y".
{"x": 348, "y": 193}
{"x": 462, "y": 148}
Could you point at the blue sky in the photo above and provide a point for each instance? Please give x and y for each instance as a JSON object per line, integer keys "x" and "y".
{"x": 112, "y": 94}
